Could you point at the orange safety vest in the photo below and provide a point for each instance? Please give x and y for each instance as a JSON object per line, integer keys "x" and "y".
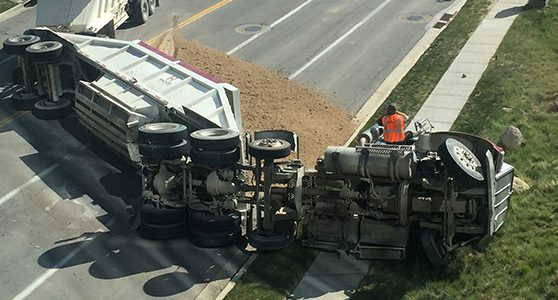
{"x": 394, "y": 128}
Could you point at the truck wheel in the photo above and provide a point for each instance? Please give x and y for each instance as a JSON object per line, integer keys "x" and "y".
{"x": 16, "y": 45}
{"x": 162, "y": 216}
{"x": 141, "y": 11}
{"x": 215, "y": 158}
{"x": 162, "y": 133}
{"x": 162, "y": 232}
{"x": 271, "y": 242}
{"x": 269, "y": 148}
{"x": 431, "y": 245}
{"x": 23, "y": 101}
{"x": 461, "y": 162}
{"x": 49, "y": 110}
{"x": 214, "y": 240}
{"x": 215, "y": 223}
{"x": 45, "y": 51}
{"x": 164, "y": 151}
{"x": 214, "y": 139}
{"x": 152, "y": 5}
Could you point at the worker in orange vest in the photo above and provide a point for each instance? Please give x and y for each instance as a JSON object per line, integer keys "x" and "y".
{"x": 394, "y": 123}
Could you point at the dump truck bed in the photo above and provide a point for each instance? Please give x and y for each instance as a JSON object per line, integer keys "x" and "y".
{"x": 134, "y": 84}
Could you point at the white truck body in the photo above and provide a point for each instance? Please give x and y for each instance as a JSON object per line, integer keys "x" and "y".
{"x": 81, "y": 15}
{"x": 134, "y": 84}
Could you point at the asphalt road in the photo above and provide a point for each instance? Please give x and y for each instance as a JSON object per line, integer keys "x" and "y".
{"x": 350, "y": 67}
{"x": 66, "y": 202}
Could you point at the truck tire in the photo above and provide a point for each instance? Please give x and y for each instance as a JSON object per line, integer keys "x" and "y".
{"x": 162, "y": 216}
{"x": 215, "y": 223}
{"x": 49, "y": 110}
{"x": 162, "y": 232}
{"x": 162, "y": 133}
{"x": 140, "y": 11}
{"x": 214, "y": 240}
{"x": 461, "y": 162}
{"x": 214, "y": 139}
{"x": 215, "y": 158}
{"x": 23, "y": 101}
{"x": 269, "y": 148}
{"x": 264, "y": 242}
{"x": 16, "y": 45}
{"x": 45, "y": 51}
{"x": 431, "y": 245}
{"x": 164, "y": 151}
{"x": 152, "y": 5}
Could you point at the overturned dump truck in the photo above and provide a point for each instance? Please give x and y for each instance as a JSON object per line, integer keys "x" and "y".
{"x": 204, "y": 180}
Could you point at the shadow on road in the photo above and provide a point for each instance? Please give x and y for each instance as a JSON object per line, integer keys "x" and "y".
{"x": 179, "y": 264}
{"x": 128, "y": 25}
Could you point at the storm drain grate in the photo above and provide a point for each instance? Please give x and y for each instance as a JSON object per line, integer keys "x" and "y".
{"x": 446, "y": 17}
{"x": 373, "y": 252}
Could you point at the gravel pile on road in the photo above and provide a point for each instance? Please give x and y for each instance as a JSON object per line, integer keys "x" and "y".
{"x": 271, "y": 101}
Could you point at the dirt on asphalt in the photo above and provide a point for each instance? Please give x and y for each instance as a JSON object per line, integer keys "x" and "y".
{"x": 271, "y": 101}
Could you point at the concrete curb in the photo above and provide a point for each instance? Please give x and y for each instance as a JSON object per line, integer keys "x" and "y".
{"x": 236, "y": 277}
{"x": 383, "y": 91}
{"x": 14, "y": 11}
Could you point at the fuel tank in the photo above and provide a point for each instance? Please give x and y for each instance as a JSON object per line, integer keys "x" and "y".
{"x": 388, "y": 161}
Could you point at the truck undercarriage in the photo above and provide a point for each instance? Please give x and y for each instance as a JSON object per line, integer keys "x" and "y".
{"x": 202, "y": 179}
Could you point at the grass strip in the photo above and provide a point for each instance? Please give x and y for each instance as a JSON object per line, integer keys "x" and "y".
{"x": 274, "y": 275}
{"x": 416, "y": 86}
{"x": 6, "y": 4}
{"x": 518, "y": 88}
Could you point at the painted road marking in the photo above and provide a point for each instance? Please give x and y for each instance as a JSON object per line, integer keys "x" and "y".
{"x": 283, "y": 18}
{"x": 190, "y": 20}
{"x": 35, "y": 178}
{"x": 11, "y": 118}
{"x": 47, "y": 274}
{"x": 340, "y": 39}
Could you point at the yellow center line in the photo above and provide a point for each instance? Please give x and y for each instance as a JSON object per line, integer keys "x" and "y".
{"x": 9, "y": 119}
{"x": 190, "y": 20}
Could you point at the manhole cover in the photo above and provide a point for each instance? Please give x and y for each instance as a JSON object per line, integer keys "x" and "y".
{"x": 415, "y": 18}
{"x": 251, "y": 28}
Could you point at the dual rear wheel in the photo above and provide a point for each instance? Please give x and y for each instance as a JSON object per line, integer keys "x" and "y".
{"x": 32, "y": 49}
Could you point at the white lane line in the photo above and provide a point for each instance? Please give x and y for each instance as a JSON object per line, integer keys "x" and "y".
{"x": 340, "y": 39}
{"x": 6, "y": 60}
{"x": 34, "y": 179}
{"x": 283, "y": 18}
{"x": 47, "y": 274}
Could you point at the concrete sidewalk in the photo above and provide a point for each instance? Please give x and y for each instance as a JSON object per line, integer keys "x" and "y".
{"x": 330, "y": 277}
{"x": 450, "y": 95}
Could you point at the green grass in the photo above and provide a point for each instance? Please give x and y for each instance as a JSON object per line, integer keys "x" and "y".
{"x": 522, "y": 261}
{"x": 6, "y": 4}
{"x": 416, "y": 86}
{"x": 274, "y": 275}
